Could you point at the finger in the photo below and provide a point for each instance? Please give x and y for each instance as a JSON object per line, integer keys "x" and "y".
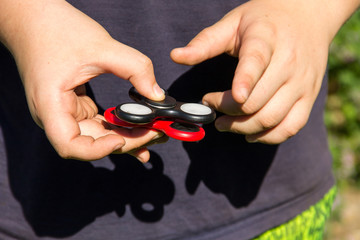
{"x": 142, "y": 154}
{"x": 130, "y": 64}
{"x": 256, "y": 50}
{"x": 291, "y": 125}
{"x": 266, "y": 118}
{"x": 86, "y": 108}
{"x": 136, "y": 138}
{"x": 274, "y": 78}
{"x": 64, "y": 133}
{"x": 98, "y": 127}
{"x": 210, "y": 42}
{"x": 223, "y": 102}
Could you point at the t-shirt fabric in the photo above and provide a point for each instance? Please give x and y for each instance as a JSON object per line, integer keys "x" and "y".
{"x": 219, "y": 188}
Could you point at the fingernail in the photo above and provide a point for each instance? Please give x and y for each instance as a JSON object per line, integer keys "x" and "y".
{"x": 159, "y": 92}
{"x": 251, "y": 139}
{"x": 205, "y": 103}
{"x": 141, "y": 159}
{"x": 158, "y": 135}
{"x": 117, "y": 147}
{"x": 220, "y": 126}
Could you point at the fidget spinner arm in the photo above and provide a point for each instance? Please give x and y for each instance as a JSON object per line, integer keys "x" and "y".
{"x": 176, "y": 119}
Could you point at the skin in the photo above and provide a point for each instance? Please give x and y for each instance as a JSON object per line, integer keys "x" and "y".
{"x": 281, "y": 45}
{"x": 57, "y": 50}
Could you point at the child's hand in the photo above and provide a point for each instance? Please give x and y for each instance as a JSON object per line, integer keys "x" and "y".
{"x": 58, "y": 49}
{"x": 282, "y": 48}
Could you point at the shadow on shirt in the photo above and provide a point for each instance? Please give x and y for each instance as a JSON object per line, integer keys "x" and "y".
{"x": 224, "y": 162}
{"x": 60, "y": 197}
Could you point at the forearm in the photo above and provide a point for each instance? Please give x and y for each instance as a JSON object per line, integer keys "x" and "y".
{"x": 14, "y": 17}
{"x": 21, "y": 21}
{"x": 32, "y": 28}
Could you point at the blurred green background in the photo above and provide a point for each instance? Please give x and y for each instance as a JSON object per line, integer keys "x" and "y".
{"x": 343, "y": 122}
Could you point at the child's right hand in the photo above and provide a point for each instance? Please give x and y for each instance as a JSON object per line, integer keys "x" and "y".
{"x": 58, "y": 49}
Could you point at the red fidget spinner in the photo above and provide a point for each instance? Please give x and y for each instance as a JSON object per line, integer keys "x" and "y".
{"x": 176, "y": 119}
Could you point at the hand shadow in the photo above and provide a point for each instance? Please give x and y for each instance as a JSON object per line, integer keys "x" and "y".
{"x": 59, "y": 196}
{"x": 70, "y": 194}
{"x": 224, "y": 162}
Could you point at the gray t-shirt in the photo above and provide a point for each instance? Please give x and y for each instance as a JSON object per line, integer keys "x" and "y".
{"x": 219, "y": 188}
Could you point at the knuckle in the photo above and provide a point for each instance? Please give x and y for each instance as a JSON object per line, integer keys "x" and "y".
{"x": 250, "y": 65}
{"x": 259, "y": 58}
{"x": 301, "y": 123}
{"x": 249, "y": 107}
{"x": 290, "y": 59}
{"x": 145, "y": 64}
{"x": 269, "y": 121}
{"x": 247, "y": 77}
{"x": 255, "y": 52}
{"x": 290, "y": 131}
{"x": 267, "y": 28}
{"x": 64, "y": 152}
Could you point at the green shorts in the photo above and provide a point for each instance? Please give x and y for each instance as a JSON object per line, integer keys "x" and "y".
{"x": 309, "y": 225}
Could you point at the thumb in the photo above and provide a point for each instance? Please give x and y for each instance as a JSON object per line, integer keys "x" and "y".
{"x": 130, "y": 64}
{"x": 210, "y": 42}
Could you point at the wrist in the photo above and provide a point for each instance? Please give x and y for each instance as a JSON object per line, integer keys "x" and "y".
{"x": 321, "y": 17}
{"x": 339, "y": 11}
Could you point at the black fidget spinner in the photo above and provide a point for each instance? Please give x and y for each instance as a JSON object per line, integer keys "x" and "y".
{"x": 176, "y": 119}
